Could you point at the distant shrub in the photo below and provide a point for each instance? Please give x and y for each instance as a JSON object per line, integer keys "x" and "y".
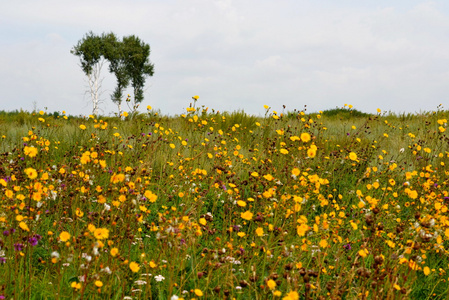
{"x": 344, "y": 113}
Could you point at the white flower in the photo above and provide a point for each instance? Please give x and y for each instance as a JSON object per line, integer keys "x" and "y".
{"x": 55, "y": 254}
{"x": 159, "y": 278}
{"x": 174, "y": 297}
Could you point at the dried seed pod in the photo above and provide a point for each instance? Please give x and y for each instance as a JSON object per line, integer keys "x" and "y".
{"x": 243, "y": 283}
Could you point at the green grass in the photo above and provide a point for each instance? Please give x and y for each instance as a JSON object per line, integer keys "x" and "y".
{"x": 224, "y": 205}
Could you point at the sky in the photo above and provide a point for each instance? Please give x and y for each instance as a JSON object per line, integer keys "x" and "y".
{"x": 235, "y": 55}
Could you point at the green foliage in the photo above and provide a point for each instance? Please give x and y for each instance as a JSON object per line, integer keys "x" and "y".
{"x": 344, "y": 113}
{"x": 128, "y": 61}
{"x": 137, "y": 64}
{"x": 90, "y": 50}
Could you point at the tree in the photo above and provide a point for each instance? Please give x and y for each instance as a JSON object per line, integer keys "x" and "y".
{"x": 90, "y": 51}
{"x": 138, "y": 66}
{"x": 128, "y": 61}
{"x": 116, "y": 55}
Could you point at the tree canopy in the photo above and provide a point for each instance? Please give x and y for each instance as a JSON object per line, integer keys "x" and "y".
{"x": 128, "y": 60}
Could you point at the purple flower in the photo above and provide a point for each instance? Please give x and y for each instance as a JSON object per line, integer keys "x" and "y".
{"x": 2, "y": 297}
{"x": 347, "y": 247}
{"x": 6, "y": 232}
{"x": 33, "y": 241}
{"x": 18, "y": 247}
{"x": 2, "y": 261}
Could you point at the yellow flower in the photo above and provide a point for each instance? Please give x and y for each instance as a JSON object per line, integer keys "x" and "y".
{"x": 24, "y": 226}
{"x": 31, "y": 173}
{"x": 150, "y": 196}
{"x": 134, "y": 267}
{"x": 125, "y": 114}
{"x": 101, "y": 233}
{"x": 83, "y": 127}
{"x": 247, "y": 215}
{"x": 352, "y": 156}
{"x": 98, "y": 283}
{"x": 271, "y": 284}
{"x": 241, "y": 203}
{"x": 115, "y": 178}
{"x": 149, "y": 107}
{"x": 305, "y": 137}
{"x": 114, "y": 251}
{"x": 76, "y": 285}
{"x": 9, "y": 194}
{"x": 292, "y": 296}
{"x": 202, "y": 221}
{"x": 30, "y": 151}
{"x": 363, "y": 252}
{"x": 283, "y": 151}
{"x": 302, "y": 229}
{"x": 196, "y": 97}
{"x": 259, "y": 231}
{"x": 426, "y": 271}
{"x": 311, "y": 152}
{"x": 198, "y": 292}
{"x": 64, "y": 236}
{"x": 323, "y": 244}
{"x": 255, "y": 174}
{"x": 295, "y": 172}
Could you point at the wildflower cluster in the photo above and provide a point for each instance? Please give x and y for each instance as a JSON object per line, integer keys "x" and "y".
{"x": 225, "y": 205}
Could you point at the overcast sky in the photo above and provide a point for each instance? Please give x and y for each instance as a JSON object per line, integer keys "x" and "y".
{"x": 235, "y": 54}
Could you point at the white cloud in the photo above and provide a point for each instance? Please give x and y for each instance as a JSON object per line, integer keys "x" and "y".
{"x": 236, "y": 54}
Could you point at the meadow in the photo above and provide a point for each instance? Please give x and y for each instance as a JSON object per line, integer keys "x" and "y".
{"x": 336, "y": 204}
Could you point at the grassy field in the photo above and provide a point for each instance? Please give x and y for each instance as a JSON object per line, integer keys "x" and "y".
{"x": 330, "y": 205}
